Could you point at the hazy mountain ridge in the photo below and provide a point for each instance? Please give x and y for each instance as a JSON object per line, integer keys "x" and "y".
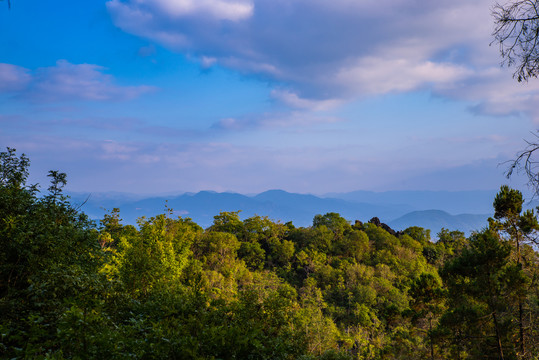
{"x": 438, "y": 219}
{"x": 204, "y": 205}
{"x": 453, "y": 202}
{"x": 301, "y": 208}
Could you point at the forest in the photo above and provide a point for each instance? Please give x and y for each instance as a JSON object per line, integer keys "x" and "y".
{"x": 71, "y": 288}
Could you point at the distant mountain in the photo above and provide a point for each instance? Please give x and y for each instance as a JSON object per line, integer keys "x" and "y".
{"x": 454, "y": 202}
{"x": 435, "y": 220}
{"x": 303, "y": 207}
{"x": 204, "y": 205}
{"x": 397, "y": 209}
{"x": 201, "y": 207}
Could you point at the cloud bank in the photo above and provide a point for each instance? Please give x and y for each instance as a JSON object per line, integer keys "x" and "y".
{"x": 143, "y": 167}
{"x": 319, "y": 53}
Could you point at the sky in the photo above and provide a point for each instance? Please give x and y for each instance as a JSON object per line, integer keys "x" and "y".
{"x": 308, "y": 96}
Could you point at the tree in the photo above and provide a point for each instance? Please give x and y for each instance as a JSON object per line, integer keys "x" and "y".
{"x": 155, "y": 256}
{"x": 334, "y": 222}
{"x": 520, "y": 229}
{"x": 49, "y": 257}
{"x": 427, "y": 303}
{"x": 517, "y": 33}
{"x": 482, "y": 284}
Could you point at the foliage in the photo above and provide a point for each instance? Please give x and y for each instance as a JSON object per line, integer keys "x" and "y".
{"x": 255, "y": 288}
{"x": 49, "y": 260}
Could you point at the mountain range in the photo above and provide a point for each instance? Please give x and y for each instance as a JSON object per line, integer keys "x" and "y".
{"x": 465, "y": 210}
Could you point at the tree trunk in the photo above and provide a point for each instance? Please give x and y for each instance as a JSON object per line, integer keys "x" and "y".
{"x": 521, "y": 328}
{"x": 520, "y": 311}
{"x": 499, "y": 340}
{"x": 430, "y": 339}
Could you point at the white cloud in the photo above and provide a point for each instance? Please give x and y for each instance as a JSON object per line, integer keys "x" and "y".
{"x": 13, "y": 78}
{"x": 207, "y": 62}
{"x": 326, "y": 52}
{"x": 230, "y": 124}
{"x": 380, "y": 75}
{"x": 293, "y": 100}
{"x": 64, "y": 82}
{"x": 274, "y": 120}
{"x": 115, "y": 150}
{"x": 495, "y": 92}
{"x": 219, "y": 9}
{"x": 321, "y": 48}
{"x": 67, "y": 81}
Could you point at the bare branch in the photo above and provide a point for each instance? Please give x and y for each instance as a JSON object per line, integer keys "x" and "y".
{"x": 527, "y": 163}
{"x": 517, "y": 31}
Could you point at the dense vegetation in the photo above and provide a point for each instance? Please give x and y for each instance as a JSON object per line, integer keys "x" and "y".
{"x": 258, "y": 289}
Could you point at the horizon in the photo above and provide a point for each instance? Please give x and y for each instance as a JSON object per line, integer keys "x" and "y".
{"x": 272, "y": 190}
{"x": 244, "y": 96}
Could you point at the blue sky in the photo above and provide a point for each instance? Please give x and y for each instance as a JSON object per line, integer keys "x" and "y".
{"x": 309, "y": 96}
